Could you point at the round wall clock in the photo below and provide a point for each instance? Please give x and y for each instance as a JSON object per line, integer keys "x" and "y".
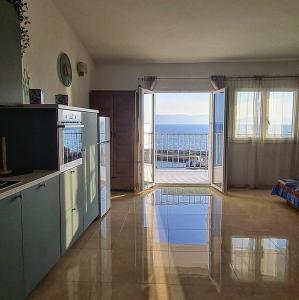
{"x": 65, "y": 69}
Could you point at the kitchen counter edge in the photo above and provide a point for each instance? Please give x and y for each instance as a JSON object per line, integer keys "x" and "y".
{"x": 27, "y": 181}
{"x": 49, "y": 106}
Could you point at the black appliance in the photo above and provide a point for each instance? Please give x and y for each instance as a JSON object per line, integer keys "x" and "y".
{"x": 42, "y": 137}
{"x": 6, "y": 184}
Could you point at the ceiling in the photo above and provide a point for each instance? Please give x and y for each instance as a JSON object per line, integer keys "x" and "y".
{"x": 185, "y": 30}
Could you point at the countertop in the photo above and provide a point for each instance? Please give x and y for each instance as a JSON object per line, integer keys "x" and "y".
{"x": 49, "y": 106}
{"x": 26, "y": 181}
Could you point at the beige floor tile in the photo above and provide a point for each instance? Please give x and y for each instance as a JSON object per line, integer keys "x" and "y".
{"x": 181, "y": 244}
{"x": 62, "y": 291}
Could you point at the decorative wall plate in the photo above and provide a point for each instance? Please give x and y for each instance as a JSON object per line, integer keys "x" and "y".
{"x": 65, "y": 69}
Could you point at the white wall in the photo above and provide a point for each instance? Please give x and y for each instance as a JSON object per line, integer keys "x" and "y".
{"x": 10, "y": 56}
{"x": 49, "y": 36}
{"x": 241, "y": 166}
{"x": 125, "y": 76}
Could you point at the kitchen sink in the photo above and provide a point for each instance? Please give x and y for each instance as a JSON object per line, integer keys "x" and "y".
{"x": 5, "y": 184}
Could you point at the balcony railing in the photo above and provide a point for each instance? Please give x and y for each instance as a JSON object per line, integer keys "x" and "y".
{"x": 182, "y": 150}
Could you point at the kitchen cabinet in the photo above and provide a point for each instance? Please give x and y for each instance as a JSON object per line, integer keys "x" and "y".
{"x": 41, "y": 230}
{"x": 121, "y": 107}
{"x": 90, "y": 167}
{"x": 71, "y": 206}
{"x": 11, "y": 254}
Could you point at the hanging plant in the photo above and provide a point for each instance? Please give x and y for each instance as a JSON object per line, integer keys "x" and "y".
{"x": 21, "y": 8}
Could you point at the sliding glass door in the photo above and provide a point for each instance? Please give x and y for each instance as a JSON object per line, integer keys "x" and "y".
{"x": 219, "y": 139}
{"x": 146, "y": 138}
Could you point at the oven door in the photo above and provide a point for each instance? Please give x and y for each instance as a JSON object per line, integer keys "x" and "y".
{"x": 70, "y": 145}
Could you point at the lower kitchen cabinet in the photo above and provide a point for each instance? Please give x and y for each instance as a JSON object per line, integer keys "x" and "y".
{"x": 37, "y": 226}
{"x": 41, "y": 230}
{"x": 71, "y": 201}
{"x": 11, "y": 255}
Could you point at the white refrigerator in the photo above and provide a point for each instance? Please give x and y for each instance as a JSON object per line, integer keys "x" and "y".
{"x": 104, "y": 159}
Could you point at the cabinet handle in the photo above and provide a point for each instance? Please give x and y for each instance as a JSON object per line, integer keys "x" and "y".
{"x": 42, "y": 185}
{"x": 74, "y": 209}
{"x": 83, "y": 149}
{"x": 72, "y": 172}
{"x": 20, "y": 196}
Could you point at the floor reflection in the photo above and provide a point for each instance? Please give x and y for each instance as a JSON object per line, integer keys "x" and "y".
{"x": 196, "y": 228}
{"x": 183, "y": 243}
{"x": 262, "y": 259}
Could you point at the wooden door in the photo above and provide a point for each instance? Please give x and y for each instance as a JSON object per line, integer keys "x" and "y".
{"x": 123, "y": 141}
{"x": 120, "y": 106}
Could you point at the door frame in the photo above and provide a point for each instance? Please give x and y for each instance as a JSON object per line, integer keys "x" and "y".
{"x": 224, "y": 140}
{"x": 210, "y": 93}
{"x": 141, "y": 92}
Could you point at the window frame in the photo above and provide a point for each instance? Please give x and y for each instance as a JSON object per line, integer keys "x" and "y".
{"x": 264, "y": 113}
{"x": 246, "y": 138}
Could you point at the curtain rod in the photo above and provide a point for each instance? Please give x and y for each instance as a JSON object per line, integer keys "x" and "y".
{"x": 228, "y": 77}
{"x": 263, "y": 76}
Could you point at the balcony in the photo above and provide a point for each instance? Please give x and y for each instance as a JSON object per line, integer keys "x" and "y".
{"x": 182, "y": 158}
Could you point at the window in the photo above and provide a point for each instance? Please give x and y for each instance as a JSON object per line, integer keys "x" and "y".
{"x": 280, "y": 114}
{"x": 247, "y": 114}
{"x": 264, "y": 114}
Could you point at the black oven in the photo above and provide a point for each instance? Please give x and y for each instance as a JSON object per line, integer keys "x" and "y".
{"x": 70, "y": 138}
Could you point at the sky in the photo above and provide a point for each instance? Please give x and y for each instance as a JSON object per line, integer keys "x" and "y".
{"x": 182, "y": 103}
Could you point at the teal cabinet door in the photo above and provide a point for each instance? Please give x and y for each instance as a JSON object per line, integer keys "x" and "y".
{"x": 90, "y": 167}
{"x": 41, "y": 230}
{"x": 11, "y": 255}
{"x": 71, "y": 202}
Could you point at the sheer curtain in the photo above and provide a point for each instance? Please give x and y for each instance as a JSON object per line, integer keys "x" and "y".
{"x": 263, "y": 131}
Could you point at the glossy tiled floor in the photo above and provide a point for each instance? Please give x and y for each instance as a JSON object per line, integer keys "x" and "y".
{"x": 182, "y": 243}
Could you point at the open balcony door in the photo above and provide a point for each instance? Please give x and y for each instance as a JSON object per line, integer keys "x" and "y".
{"x": 219, "y": 140}
{"x": 146, "y": 139}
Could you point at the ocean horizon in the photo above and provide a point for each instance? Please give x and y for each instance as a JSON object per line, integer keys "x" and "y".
{"x": 182, "y": 128}
{"x": 171, "y": 135}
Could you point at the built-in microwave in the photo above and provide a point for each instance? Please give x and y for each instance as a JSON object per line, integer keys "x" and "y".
{"x": 70, "y": 129}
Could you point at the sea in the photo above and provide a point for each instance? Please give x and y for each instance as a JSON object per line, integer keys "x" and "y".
{"x": 182, "y": 128}
{"x": 180, "y": 137}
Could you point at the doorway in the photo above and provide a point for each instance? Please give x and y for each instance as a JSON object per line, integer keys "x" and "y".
{"x": 182, "y": 138}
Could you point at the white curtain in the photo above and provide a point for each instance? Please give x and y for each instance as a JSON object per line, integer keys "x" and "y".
{"x": 148, "y": 82}
{"x": 263, "y": 131}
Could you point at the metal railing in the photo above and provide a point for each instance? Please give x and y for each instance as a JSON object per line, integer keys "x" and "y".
{"x": 182, "y": 150}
